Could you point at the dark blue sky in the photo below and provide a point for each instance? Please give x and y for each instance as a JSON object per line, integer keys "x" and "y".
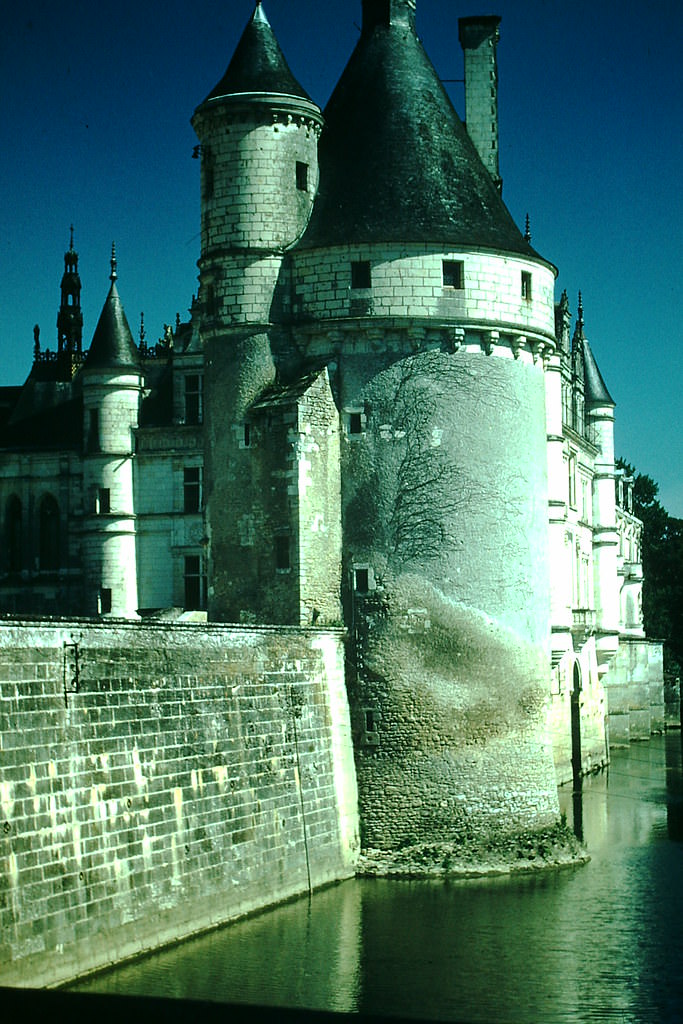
{"x": 95, "y": 104}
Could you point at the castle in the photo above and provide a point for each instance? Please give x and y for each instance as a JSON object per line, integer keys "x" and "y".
{"x": 376, "y": 417}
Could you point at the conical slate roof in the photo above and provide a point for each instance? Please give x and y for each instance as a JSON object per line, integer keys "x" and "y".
{"x": 595, "y": 389}
{"x": 396, "y": 162}
{"x": 258, "y": 64}
{"x": 112, "y": 345}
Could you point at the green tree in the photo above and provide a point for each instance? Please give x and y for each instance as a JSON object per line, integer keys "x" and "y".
{"x": 662, "y": 556}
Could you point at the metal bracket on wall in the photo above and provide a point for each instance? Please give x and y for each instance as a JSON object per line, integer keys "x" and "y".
{"x": 71, "y": 670}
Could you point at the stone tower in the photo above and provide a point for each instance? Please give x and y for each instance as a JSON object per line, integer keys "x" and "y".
{"x": 112, "y": 387}
{"x": 414, "y": 294}
{"x": 258, "y": 133}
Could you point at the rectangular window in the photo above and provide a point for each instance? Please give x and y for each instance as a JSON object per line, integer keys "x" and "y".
{"x": 282, "y": 560}
{"x": 93, "y": 442}
{"x": 361, "y": 276}
{"x": 453, "y": 274}
{"x": 526, "y": 285}
{"x": 195, "y": 584}
{"x": 192, "y": 489}
{"x": 361, "y": 580}
{"x": 301, "y": 176}
{"x": 105, "y": 601}
{"x": 572, "y": 480}
{"x": 103, "y": 502}
{"x": 193, "y": 399}
{"x": 246, "y": 437}
{"x": 355, "y": 423}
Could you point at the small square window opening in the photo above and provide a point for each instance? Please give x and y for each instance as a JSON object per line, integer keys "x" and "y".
{"x": 361, "y": 276}
{"x": 355, "y": 423}
{"x": 453, "y": 274}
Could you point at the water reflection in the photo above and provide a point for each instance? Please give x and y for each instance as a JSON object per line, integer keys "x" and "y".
{"x": 596, "y": 943}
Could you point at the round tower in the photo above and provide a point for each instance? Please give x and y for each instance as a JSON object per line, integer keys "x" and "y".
{"x": 112, "y": 384}
{"x": 599, "y": 412}
{"x": 258, "y": 133}
{"x": 436, "y": 323}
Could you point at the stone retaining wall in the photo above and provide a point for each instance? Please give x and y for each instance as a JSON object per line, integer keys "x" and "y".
{"x": 159, "y": 780}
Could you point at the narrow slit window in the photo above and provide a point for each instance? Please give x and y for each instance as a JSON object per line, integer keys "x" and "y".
{"x": 282, "y": 559}
{"x": 361, "y": 276}
{"x": 103, "y": 501}
{"x": 453, "y": 274}
{"x": 301, "y": 176}
{"x": 105, "y": 601}
{"x": 526, "y": 285}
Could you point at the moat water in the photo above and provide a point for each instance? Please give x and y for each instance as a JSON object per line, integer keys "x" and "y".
{"x": 601, "y": 942}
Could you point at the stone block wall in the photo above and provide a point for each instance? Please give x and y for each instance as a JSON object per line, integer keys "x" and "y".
{"x": 408, "y": 280}
{"x": 635, "y": 691}
{"x": 156, "y": 781}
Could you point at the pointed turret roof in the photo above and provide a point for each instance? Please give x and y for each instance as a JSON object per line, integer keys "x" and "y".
{"x": 258, "y": 64}
{"x": 396, "y": 162}
{"x": 595, "y": 389}
{"x": 112, "y": 345}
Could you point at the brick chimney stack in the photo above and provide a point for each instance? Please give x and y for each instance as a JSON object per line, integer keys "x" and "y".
{"x": 479, "y": 37}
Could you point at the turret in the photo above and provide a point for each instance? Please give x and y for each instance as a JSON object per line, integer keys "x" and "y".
{"x": 258, "y": 133}
{"x": 599, "y": 412}
{"x": 112, "y": 383}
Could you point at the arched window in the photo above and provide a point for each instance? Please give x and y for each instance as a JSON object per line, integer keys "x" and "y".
{"x": 49, "y": 534}
{"x": 13, "y": 534}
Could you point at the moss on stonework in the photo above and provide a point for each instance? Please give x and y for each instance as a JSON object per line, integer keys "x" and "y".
{"x": 526, "y": 852}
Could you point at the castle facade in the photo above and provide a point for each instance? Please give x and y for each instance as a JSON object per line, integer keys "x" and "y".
{"x": 376, "y": 417}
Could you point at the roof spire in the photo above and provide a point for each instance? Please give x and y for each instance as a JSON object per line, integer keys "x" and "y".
{"x": 527, "y": 229}
{"x": 579, "y": 317}
{"x": 113, "y": 275}
{"x": 71, "y": 239}
{"x": 259, "y": 14}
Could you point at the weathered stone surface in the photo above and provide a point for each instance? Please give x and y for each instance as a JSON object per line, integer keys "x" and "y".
{"x": 157, "y": 781}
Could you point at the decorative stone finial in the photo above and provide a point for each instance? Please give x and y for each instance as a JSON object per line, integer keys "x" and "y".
{"x": 259, "y": 14}
{"x": 71, "y": 240}
{"x": 579, "y": 315}
{"x": 113, "y": 275}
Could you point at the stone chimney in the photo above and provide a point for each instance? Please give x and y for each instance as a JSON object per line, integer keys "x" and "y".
{"x": 478, "y": 38}
{"x": 388, "y": 12}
